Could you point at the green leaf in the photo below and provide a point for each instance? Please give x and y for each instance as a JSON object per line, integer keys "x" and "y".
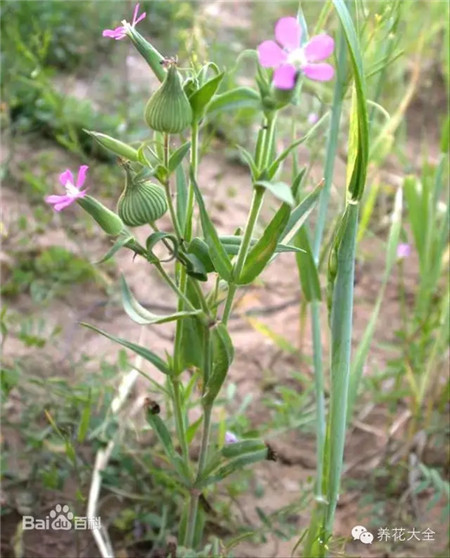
{"x": 164, "y": 437}
{"x": 222, "y": 357}
{"x": 242, "y": 447}
{"x": 192, "y": 338}
{"x": 300, "y": 214}
{"x": 84, "y": 421}
{"x": 200, "y": 99}
{"x": 233, "y": 243}
{"x": 118, "y": 244}
{"x": 248, "y": 158}
{"x": 159, "y": 236}
{"x": 280, "y": 190}
{"x": 178, "y": 155}
{"x": 192, "y": 429}
{"x": 141, "y": 315}
{"x": 359, "y": 126}
{"x": 309, "y": 276}
{"x": 198, "y": 248}
{"x": 259, "y": 256}
{"x": 141, "y": 351}
{"x": 241, "y": 97}
{"x": 271, "y": 171}
{"x": 235, "y": 464}
{"x": 218, "y": 255}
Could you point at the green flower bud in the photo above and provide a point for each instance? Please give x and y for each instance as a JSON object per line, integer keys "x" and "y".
{"x": 168, "y": 109}
{"x": 107, "y": 219}
{"x": 114, "y": 145}
{"x": 141, "y": 202}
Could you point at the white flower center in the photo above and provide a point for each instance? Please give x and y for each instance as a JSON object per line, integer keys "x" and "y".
{"x": 71, "y": 190}
{"x": 297, "y": 57}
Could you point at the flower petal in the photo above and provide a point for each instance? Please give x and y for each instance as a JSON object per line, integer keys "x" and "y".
{"x": 319, "y": 72}
{"x": 135, "y": 13}
{"x": 284, "y": 77}
{"x": 270, "y": 54}
{"x": 81, "y": 176}
{"x": 65, "y": 177}
{"x": 117, "y": 33}
{"x": 54, "y": 199}
{"x": 140, "y": 18}
{"x": 319, "y": 48}
{"x": 63, "y": 204}
{"x": 288, "y": 32}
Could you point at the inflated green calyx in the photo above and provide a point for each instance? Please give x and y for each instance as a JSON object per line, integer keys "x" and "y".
{"x": 141, "y": 202}
{"x": 168, "y": 109}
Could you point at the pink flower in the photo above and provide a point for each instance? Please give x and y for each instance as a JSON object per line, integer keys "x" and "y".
{"x": 230, "y": 438}
{"x": 120, "y": 32}
{"x": 73, "y": 192}
{"x": 403, "y": 251}
{"x": 290, "y": 57}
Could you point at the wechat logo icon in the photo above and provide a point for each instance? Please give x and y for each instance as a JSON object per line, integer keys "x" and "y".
{"x": 360, "y": 533}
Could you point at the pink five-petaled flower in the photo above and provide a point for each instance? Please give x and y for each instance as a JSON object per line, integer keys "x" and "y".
{"x": 291, "y": 57}
{"x": 120, "y": 32}
{"x": 73, "y": 191}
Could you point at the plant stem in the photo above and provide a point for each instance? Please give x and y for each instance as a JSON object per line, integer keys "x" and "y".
{"x": 173, "y": 286}
{"x": 179, "y": 421}
{"x": 193, "y": 504}
{"x": 166, "y": 185}
{"x": 258, "y": 196}
{"x": 320, "y": 397}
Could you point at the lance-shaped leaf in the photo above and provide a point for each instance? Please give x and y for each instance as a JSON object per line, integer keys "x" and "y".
{"x": 164, "y": 437}
{"x": 280, "y": 190}
{"x": 200, "y": 98}
{"x": 122, "y": 241}
{"x": 276, "y": 164}
{"x": 241, "y": 97}
{"x": 232, "y": 244}
{"x": 178, "y": 155}
{"x": 217, "y": 252}
{"x": 300, "y": 214}
{"x": 232, "y": 466}
{"x": 259, "y": 256}
{"x": 142, "y": 316}
{"x": 138, "y": 349}
{"x": 222, "y": 357}
{"x": 309, "y": 275}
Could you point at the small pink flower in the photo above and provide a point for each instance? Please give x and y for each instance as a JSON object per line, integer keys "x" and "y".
{"x": 290, "y": 57}
{"x": 120, "y": 32}
{"x": 230, "y": 438}
{"x": 403, "y": 251}
{"x": 73, "y": 192}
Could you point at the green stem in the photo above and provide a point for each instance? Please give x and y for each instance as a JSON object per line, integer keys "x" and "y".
{"x": 207, "y": 410}
{"x": 179, "y": 421}
{"x": 173, "y": 286}
{"x": 192, "y": 519}
{"x": 166, "y": 185}
{"x": 320, "y": 397}
{"x": 187, "y": 238}
{"x": 263, "y": 158}
{"x": 332, "y": 142}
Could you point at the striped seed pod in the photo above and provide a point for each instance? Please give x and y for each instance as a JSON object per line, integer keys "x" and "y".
{"x": 168, "y": 109}
{"x": 141, "y": 203}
